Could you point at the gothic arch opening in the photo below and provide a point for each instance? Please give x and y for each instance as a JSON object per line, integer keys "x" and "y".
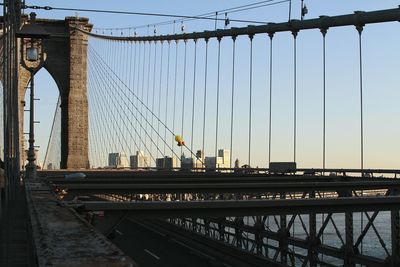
{"x": 47, "y": 91}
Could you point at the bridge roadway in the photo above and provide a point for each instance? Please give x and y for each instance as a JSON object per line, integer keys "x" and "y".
{"x": 128, "y": 183}
{"x": 154, "y": 243}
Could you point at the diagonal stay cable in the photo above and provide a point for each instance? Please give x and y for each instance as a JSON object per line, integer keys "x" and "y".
{"x": 102, "y": 110}
{"x": 140, "y": 100}
{"x": 97, "y": 64}
{"x": 96, "y": 121}
{"x": 52, "y": 130}
{"x": 106, "y": 104}
{"x": 93, "y": 126}
{"x": 137, "y": 109}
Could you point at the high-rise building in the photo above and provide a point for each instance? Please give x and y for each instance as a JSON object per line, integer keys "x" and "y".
{"x": 118, "y": 160}
{"x": 186, "y": 163}
{"x": 221, "y": 161}
{"x": 166, "y": 163}
{"x": 140, "y": 160}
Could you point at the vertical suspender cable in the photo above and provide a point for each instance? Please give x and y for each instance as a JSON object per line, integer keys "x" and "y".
{"x": 194, "y": 92}
{"x": 137, "y": 88}
{"x": 232, "y": 95}
{"x": 324, "y": 31}
{"x": 360, "y": 29}
{"x": 153, "y": 90}
{"x": 271, "y": 36}
{"x": 147, "y": 94}
{"x": 133, "y": 74}
{"x": 205, "y": 100}
{"x": 183, "y": 93}
{"x": 294, "y": 93}
{"x": 166, "y": 96}
{"x": 250, "y": 94}
{"x": 128, "y": 76}
{"x": 142, "y": 90}
{"x": 216, "y": 114}
{"x": 159, "y": 91}
{"x": 174, "y": 101}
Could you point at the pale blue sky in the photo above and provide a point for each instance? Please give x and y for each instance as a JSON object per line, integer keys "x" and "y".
{"x": 381, "y": 86}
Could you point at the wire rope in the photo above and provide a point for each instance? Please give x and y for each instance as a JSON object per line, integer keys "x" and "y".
{"x": 194, "y": 93}
{"x": 294, "y": 93}
{"x": 183, "y": 93}
{"x": 205, "y": 98}
{"x": 175, "y": 86}
{"x": 250, "y": 95}
{"x": 232, "y": 96}
{"x": 271, "y": 36}
{"x": 217, "y": 110}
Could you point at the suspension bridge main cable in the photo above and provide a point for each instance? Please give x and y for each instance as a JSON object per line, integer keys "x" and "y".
{"x": 49, "y": 8}
{"x": 260, "y": 4}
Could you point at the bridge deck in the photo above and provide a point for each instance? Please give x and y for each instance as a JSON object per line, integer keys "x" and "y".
{"x": 62, "y": 238}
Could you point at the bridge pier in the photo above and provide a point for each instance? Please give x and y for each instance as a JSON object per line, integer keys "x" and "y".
{"x": 66, "y": 62}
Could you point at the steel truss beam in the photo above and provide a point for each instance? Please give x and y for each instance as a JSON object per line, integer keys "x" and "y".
{"x": 208, "y": 208}
{"x": 340, "y": 187}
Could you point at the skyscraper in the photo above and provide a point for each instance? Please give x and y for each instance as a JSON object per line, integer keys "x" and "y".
{"x": 140, "y": 160}
{"x": 118, "y": 160}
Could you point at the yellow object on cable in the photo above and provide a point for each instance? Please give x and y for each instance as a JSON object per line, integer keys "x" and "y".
{"x": 179, "y": 140}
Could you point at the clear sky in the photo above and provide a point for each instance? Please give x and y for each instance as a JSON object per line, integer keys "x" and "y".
{"x": 381, "y": 87}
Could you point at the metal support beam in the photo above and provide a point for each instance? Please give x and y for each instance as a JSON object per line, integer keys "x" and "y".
{"x": 395, "y": 230}
{"x": 235, "y": 187}
{"x": 348, "y": 247}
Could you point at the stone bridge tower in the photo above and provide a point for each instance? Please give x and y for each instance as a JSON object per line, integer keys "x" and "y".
{"x": 66, "y": 61}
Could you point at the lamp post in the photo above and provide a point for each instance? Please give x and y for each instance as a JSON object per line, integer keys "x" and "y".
{"x": 33, "y": 61}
